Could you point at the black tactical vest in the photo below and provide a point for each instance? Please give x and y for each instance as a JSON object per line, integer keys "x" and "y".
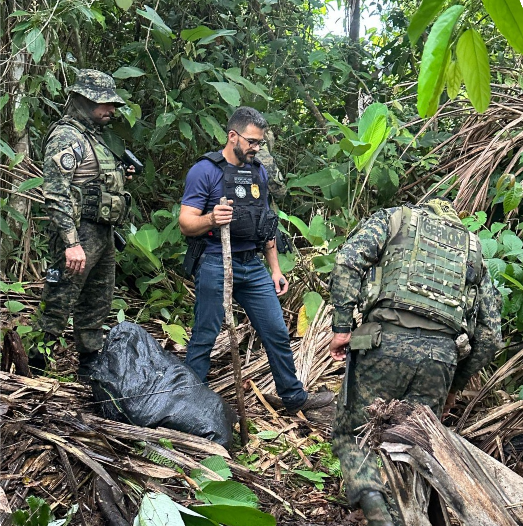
{"x": 251, "y": 220}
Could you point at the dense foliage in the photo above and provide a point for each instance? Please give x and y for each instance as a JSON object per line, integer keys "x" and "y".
{"x": 182, "y": 69}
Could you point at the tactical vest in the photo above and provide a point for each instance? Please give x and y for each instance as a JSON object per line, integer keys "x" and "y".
{"x": 432, "y": 267}
{"x": 251, "y": 220}
{"x": 102, "y": 198}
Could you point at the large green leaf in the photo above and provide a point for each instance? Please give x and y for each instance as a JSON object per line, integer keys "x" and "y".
{"x": 322, "y": 178}
{"x": 148, "y": 237}
{"x": 375, "y": 134}
{"x": 350, "y": 134}
{"x": 155, "y": 18}
{"x": 124, "y": 4}
{"x": 195, "y": 67}
{"x": 227, "y": 492}
{"x": 473, "y": 61}
{"x": 21, "y": 115}
{"x": 35, "y": 43}
{"x": 435, "y": 56}
{"x": 439, "y": 86}
{"x": 3, "y": 100}
{"x": 370, "y": 115}
{"x": 217, "y": 464}
{"x": 176, "y": 332}
{"x": 196, "y": 33}
{"x": 29, "y": 184}
{"x": 213, "y": 128}
{"x": 218, "y": 33}
{"x": 512, "y": 198}
{"x": 14, "y": 306}
{"x": 352, "y": 147}
{"x": 508, "y": 17}
{"x": 453, "y": 79}
{"x": 423, "y": 17}
{"x": 235, "y": 515}
{"x": 312, "y": 301}
{"x": 127, "y": 72}
{"x": 6, "y": 149}
{"x": 228, "y": 92}
{"x": 489, "y": 248}
{"x": 158, "y": 509}
{"x": 235, "y": 75}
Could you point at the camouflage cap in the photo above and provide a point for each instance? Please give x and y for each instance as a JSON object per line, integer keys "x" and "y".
{"x": 96, "y": 86}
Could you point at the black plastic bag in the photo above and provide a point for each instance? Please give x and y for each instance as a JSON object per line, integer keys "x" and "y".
{"x": 140, "y": 383}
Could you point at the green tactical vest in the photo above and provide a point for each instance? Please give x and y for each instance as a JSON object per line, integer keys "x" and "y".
{"x": 103, "y": 198}
{"x": 432, "y": 267}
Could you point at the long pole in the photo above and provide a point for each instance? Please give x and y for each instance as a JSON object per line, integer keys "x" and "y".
{"x": 229, "y": 321}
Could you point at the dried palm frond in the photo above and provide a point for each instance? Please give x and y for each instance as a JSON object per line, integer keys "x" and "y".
{"x": 487, "y": 143}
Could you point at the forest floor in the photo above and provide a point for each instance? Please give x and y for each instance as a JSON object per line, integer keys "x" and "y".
{"x": 55, "y": 444}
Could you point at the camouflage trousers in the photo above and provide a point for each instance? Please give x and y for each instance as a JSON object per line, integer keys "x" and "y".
{"x": 88, "y": 295}
{"x": 404, "y": 367}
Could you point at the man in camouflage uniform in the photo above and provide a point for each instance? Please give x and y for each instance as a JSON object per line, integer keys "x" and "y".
{"x": 418, "y": 277}
{"x": 84, "y": 197}
{"x": 276, "y": 182}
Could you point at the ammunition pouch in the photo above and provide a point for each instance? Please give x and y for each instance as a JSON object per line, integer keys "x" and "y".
{"x": 104, "y": 207}
{"x": 195, "y": 249}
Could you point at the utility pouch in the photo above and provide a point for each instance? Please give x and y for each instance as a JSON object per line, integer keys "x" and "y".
{"x": 366, "y": 337}
{"x": 267, "y": 225}
{"x": 195, "y": 248}
{"x": 283, "y": 243}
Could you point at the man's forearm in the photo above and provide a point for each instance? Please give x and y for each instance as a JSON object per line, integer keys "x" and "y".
{"x": 271, "y": 255}
{"x": 197, "y": 225}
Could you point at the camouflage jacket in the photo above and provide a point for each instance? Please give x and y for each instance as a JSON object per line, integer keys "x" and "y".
{"x": 276, "y": 183}
{"x": 363, "y": 250}
{"x": 60, "y": 166}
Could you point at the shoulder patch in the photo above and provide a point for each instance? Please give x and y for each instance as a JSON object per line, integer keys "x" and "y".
{"x": 66, "y": 160}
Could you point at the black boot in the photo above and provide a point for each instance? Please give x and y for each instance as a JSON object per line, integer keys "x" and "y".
{"x": 375, "y": 509}
{"x": 87, "y": 364}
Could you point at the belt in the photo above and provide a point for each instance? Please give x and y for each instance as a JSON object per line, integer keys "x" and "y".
{"x": 391, "y": 328}
{"x": 244, "y": 256}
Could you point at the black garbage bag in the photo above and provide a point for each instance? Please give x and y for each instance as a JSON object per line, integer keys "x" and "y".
{"x": 140, "y": 383}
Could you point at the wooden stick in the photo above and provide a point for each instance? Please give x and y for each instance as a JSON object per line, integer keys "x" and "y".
{"x": 229, "y": 322}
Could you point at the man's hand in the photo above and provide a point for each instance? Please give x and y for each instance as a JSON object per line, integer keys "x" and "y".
{"x": 75, "y": 259}
{"x": 129, "y": 172}
{"x": 338, "y": 345}
{"x": 280, "y": 283}
{"x": 222, "y": 214}
{"x": 449, "y": 404}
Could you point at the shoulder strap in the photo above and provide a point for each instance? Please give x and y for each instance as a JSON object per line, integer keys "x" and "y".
{"x": 215, "y": 157}
{"x": 218, "y": 159}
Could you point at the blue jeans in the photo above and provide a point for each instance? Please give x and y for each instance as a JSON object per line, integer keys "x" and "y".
{"x": 254, "y": 290}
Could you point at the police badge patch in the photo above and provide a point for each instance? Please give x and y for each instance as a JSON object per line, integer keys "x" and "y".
{"x": 240, "y": 191}
{"x": 67, "y": 161}
{"x": 255, "y": 191}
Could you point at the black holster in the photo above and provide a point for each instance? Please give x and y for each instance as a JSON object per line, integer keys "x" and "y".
{"x": 195, "y": 248}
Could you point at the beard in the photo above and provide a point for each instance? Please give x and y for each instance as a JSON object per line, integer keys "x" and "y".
{"x": 241, "y": 156}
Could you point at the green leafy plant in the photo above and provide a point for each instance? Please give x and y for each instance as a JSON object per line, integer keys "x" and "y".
{"x": 39, "y": 514}
{"x": 503, "y": 253}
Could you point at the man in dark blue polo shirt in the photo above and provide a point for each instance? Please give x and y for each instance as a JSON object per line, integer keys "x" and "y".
{"x": 238, "y": 175}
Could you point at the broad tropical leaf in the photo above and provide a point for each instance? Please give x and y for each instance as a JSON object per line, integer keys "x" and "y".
{"x": 435, "y": 56}
{"x": 422, "y": 18}
{"x": 473, "y": 61}
{"x": 508, "y": 17}
{"x": 454, "y": 79}
{"x": 228, "y": 92}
